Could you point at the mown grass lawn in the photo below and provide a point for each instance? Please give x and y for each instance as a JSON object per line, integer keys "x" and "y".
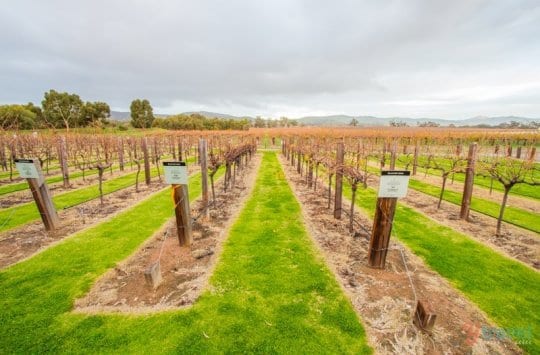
{"x": 271, "y": 292}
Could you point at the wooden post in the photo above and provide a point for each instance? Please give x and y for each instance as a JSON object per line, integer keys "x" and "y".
{"x": 180, "y": 150}
{"x": 121, "y": 153}
{"x": 183, "y": 215}
{"x": 469, "y": 182}
{"x": 338, "y": 191}
{"x": 299, "y": 163}
{"x": 172, "y": 147}
{"x": 63, "y": 156}
{"x": 518, "y": 152}
{"x": 144, "y": 146}
{"x": 393, "y": 153}
{"x": 415, "y": 158}
{"x": 42, "y": 196}
{"x": 532, "y": 154}
{"x": 424, "y": 317}
{"x": 310, "y": 173}
{"x": 204, "y": 176}
{"x": 382, "y": 229}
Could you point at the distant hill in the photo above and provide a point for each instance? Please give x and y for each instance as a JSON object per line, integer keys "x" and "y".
{"x": 120, "y": 116}
{"x": 218, "y": 115}
{"x": 126, "y": 116}
{"x": 343, "y": 120}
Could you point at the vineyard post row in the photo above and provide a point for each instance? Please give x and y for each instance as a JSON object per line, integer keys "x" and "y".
{"x": 99, "y": 152}
{"x": 424, "y": 316}
{"x": 443, "y": 154}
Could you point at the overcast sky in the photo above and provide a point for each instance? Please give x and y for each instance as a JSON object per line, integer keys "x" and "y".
{"x": 445, "y": 59}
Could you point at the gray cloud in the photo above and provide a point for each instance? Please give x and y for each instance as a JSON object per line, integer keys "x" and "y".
{"x": 411, "y": 58}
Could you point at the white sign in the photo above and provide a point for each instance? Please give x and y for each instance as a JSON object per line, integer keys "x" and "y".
{"x": 27, "y": 168}
{"x": 175, "y": 172}
{"x": 394, "y": 183}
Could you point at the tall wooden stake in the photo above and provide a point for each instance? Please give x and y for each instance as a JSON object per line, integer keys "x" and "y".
{"x": 183, "y": 215}
{"x": 532, "y": 154}
{"x": 204, "y": 176}
{"x": 146, "y": 160}
{"x": 393, "y": 153}
{"x": 121, "y": 153}
{"x": 382, "y": 229}
{"x": 415, "y": 158}
{"x": 469, "y": 182}
{"x": 63, "y": 156}
{"x": 180, "y": 150}
{"x": 340, "y": 158}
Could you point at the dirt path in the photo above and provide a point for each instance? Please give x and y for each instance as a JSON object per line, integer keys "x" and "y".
{"x": 384, "y": 299}
{"x": 185, "y": 271}
{"x": 23, "y": 242}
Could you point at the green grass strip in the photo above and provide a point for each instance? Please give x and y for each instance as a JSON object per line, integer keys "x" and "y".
{"x": 505, "y": 289}
{"x": 483, "y": 181}
{"x": 27, "y": 212}
{"x": 271, "y": 294}
{"x": 513, "y": 215}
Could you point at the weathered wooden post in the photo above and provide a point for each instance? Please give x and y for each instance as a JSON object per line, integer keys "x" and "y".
{"x": 532, "y": 154}
{"x": 176, "y": 174}
{"x": 393, "y": 154}
{"x": 204, "y": 175}
{"x": 180, "y": 150}
{"x": 121, "y": 153}
{"x": 469, "y": 182}
{"x": 63, "y": 157}
{"x": 299, "y": 162}
{"x": 172, "y": 147}
{"x": 424, "y": 317}
{"x": 144, "y": 146}
{"x": 31, "y": 170}
{"x": 393, "y": 184}
{"x": 310, "y": 172}
{"x": 415, "y": 157}
{"x": 338, "y": 191}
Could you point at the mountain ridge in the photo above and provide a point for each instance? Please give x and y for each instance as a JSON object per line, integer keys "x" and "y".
{"x": 344, "y": 120}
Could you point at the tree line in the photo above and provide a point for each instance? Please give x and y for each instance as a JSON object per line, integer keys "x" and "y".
{"x": 197, "y": 121}
{"x": 57, "y": 110}
{"x": 62, "y": 110}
